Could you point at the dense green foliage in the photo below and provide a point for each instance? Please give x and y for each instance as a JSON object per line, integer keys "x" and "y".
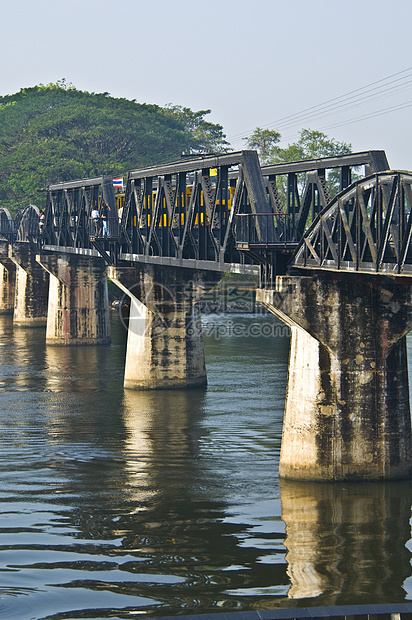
{"x": 311, "y": 145}
{"x": 56, "y": 133}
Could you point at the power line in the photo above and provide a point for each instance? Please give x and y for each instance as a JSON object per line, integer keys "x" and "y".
{"x": 333, "y": 112}
{"x": 338, "y": 103}
{"x": 362, "y": 97}
{"x": 382, "y": 112}
{"x": 355, "y": 104}
{"x": 402, "y": 106}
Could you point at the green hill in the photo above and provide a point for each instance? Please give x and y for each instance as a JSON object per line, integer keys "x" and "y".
{"x": 55, "y": 133}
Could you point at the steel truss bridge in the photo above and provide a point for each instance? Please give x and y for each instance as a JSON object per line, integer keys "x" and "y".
{"x": 227, "y": 213}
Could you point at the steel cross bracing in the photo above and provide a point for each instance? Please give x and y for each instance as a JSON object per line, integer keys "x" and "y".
{"x": 220, "y": 212}
{"x": 173, "y": 213}
{"x": 24, "y": 227}
{"x": 367, "y": 228}
{"x": 68, "y": 222}
{"x": 297, "y": 192}
{"x": 184, "y": 213}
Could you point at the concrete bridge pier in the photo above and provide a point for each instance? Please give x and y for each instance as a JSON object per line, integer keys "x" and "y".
{"x": 78, "y": 309}
{"x": 7, "y": 279}
{"x": 32, "y": 284}
{"x": 165, "y": 340}
{"x": 7, "y": 288}
{"x": 347, "y": 414}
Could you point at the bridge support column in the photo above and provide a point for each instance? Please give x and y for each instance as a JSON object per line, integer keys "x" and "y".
{"x": 78, "y": 311}
{"x": 165, "y": 340}
{"x": 32, "y": 283}
{"x": 7, "y": 279}
{"x": 7, "y": 288}
{"x": 347, "y": 413}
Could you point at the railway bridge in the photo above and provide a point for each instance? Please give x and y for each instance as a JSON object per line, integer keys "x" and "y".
{"x": 329, "y": 241}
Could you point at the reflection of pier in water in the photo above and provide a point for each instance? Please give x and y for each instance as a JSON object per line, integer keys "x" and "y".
{"x": 347, "y": 541}
{"x": 157, "y": 530}
{"x": 344, "y": 541}
{"x": 153, "y": 513}
{"x": 161, "y": 432}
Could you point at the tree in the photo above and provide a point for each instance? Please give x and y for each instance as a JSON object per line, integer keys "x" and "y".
{"x": 54, "y": 132}
{"x": 312, "y": 144}
{"x": 207, "y": 136}
{"x": 265, "y": 142}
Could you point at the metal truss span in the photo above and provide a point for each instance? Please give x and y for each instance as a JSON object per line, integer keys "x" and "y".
{"x": 218, "y": 210}
{"x": 174, "y": 213}
{"x": 186, "y": 210}
{"x": 225, "y": 212}
{"x": 367, "y": 228}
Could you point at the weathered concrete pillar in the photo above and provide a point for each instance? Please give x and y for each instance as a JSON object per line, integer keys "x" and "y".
{"x": 78, "y": 311}
{"x": 7, "y": 289}
{"x": 347, "y": 410}
{"x": 165, "y": 340}
{"x": 32, "y": 287}
{"x": 7, "y": 279}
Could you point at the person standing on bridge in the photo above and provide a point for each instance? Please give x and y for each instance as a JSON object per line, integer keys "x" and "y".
{"x": 105, "y": 218}
{"x": 94, "y": 215}
{"x": 41, "y": 222}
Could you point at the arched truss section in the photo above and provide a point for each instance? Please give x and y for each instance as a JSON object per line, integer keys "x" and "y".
{"x": 367, "y": 228}
{"x": 29, "y": 225}
{"x": 6, "y": 223}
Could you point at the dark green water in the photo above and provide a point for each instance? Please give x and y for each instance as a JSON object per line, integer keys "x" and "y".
{"x": 115, "y": 503}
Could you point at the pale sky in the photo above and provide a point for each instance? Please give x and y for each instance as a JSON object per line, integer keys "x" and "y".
{"x": 252, "y": 62}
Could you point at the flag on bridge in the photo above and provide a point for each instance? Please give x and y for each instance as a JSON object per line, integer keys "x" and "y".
{"x": 118, "y": 182}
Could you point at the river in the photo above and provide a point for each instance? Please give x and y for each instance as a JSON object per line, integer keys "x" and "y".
{"x": 118, "y": 503}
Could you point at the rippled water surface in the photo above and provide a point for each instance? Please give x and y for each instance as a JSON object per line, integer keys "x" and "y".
{"x": 117, "y": 503}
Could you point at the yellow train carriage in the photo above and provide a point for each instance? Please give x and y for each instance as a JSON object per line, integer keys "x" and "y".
{"x": 150, "y": 200}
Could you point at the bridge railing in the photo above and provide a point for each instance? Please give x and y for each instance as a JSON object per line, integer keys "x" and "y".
{"x": 100, "y": 228}
{"x": 258, "y": 229}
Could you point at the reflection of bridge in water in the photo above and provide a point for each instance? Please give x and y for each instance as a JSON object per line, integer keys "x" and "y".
{"x": 340, "y": 544}
{"x": 335, "y": 269}
{"x": 154, "y": 494}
